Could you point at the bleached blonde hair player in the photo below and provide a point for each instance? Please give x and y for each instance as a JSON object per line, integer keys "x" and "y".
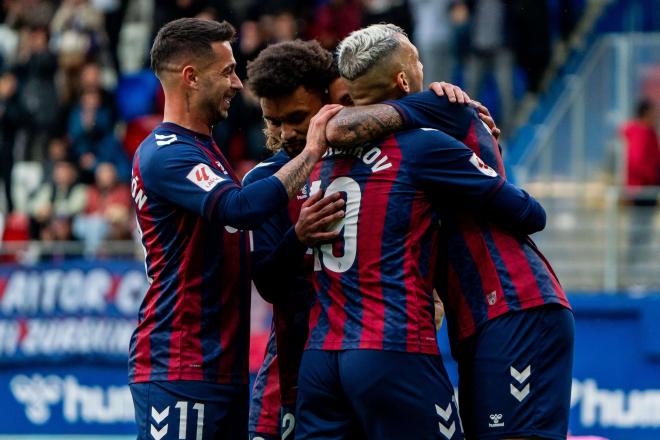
{"x": 511, "y": 325}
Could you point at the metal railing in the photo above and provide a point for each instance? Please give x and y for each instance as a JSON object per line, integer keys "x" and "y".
{"x": 600, "y": 237}
{"x": 32, "y": 251}
{"x": 579, "y": 140}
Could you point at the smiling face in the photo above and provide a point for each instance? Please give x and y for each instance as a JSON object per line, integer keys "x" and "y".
{"x": 218, "y": 83}
{"x": 288, "y": 117}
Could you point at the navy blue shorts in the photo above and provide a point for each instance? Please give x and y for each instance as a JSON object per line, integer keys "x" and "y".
{"x": 288, "y": 422}
{"x": 193, "y": 410}
{"x": 515, "y": 375}
{"x": 371, "y": 394}
{"x": 287, "y": 427}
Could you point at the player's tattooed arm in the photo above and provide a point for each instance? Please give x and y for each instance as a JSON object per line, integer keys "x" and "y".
{"x": 362, "y": 124}
{"x": 294, "y": 174}
{"x": 370, "y": 122}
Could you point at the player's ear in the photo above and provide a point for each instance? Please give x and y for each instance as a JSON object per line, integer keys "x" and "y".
{"x": 189, "y": 77}
{"x": 402, "y": 82}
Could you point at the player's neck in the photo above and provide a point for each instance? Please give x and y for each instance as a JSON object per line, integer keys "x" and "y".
{"x": 177, "y": 112}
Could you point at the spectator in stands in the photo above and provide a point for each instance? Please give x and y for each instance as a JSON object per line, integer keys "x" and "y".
{"x": 10, "y": 118}
{"x": 490, "y": 42}
{"x": 387, "y": 11}
{"x": 92, "y": 136}
{"x": 28, "y": 12}
{"x": 459, "y": 19}
{"x": 37, "y": 93}
{"x": 56, "y": 202}
{"x": 78, "y": 33}
{"x": 334, "y": 20}
{"x": 285, "y": 27}
{"x": 432, "y": 36}
{"x": 642, "y": 172}
{"x": 642, "y": 147}
{"x": 58, "y": 150}
{"x": 90, "y": 81}
{"x": 168, "y": 10}
{"x": 107, "y": 211}
{"x": 114, "y": 12}
{"x": 530, "y": 21}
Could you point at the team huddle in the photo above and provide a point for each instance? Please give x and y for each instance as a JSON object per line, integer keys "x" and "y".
{"x": 379, "y": 198}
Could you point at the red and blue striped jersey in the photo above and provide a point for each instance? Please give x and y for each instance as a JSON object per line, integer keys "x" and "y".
{"x": 193, "y": 323}
{"x": 265, "y": 403}
{"x": 484, "y": 269}
{"x": 282, "y": 268}
{"x": 374, "y": 285}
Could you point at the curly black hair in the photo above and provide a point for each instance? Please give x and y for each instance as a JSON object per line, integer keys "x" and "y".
{"x": 281, "y": 68}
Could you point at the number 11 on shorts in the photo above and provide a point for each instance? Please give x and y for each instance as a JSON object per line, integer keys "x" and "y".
{"x": 182, "y": 406}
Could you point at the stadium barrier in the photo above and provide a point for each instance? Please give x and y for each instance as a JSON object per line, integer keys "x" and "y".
{"x": 601, "y": 237}
{"x": 64, "y": 332}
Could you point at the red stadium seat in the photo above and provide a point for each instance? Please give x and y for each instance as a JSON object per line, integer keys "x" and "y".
{"x": 17, "y": 229}
{"x": 138, "y": 129}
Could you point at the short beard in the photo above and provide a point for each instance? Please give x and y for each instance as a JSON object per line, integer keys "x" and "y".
{"x": 213, "y": 113}
{"x": 273, "y": 143}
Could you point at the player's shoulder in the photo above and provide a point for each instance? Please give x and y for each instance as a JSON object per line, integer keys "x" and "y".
{"x": 166, "y": 144}
{"x": 266, "y": 168}
{"x": 410, "y": 138}
{"x": 167, "y": 136}
{"x": 423, "y": 146}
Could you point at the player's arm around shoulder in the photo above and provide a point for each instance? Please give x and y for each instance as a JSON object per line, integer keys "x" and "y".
{"x": 441, "y": 164}
{"x": 427, "y": 109}
{"x": 264, "y": 169}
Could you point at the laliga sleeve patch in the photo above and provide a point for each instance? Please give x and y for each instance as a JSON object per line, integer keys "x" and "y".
{"x": 481, "y": 166}
{"x": 203, "y": 176}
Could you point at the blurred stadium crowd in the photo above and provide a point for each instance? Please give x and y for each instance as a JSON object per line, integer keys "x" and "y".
{"x": 77, "y": 96}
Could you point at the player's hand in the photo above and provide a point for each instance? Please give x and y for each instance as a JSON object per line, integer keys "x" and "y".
{"x": 454, "y": 93}
{"x": 316, "y": 215}
{"x": 485, "y": 116}
{"x": 316, "y": 141}
{"x": 438, "y": 310}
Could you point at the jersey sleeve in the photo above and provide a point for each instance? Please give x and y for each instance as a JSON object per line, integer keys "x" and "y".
{"x": 428, "y": 110}
{"x": 444, "y": 166}
{"x": 439, "y": 163}
{"x": 278, "y": 253}
{"x": 279, "y": 259}
{"x": 184, "y": 176}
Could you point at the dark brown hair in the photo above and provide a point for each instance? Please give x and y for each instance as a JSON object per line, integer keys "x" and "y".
{"x": 187, "y": 36}
{"x": 281, "y": 68}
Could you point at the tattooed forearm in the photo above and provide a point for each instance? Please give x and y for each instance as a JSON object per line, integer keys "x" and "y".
{"x": 294, "y": 174}
{"x": 354, "y": 125}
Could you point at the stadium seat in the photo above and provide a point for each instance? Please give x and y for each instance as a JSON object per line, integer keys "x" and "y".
{"x": 136, "y": 94}
{"x": 25, "y": 177}
{"x": 17, "y": 229}
{"x": 138, "y": 129}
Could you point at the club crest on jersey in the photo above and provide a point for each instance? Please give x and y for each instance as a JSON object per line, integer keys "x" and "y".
{"x": 492, "y": 298}
{"x": 303, "y": 193}
{"x": 481, "y": 166}
{"x": 202, "y": 176}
